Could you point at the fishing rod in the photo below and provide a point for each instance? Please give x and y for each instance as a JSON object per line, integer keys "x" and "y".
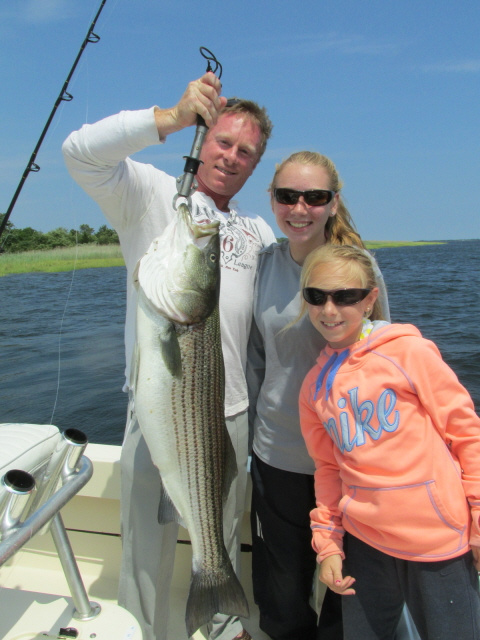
{"x": 63, "y": 96}
{"x": 186, "y": 185}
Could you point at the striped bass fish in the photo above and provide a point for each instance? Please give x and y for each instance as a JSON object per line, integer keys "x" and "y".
{"x": 178, "y": 383}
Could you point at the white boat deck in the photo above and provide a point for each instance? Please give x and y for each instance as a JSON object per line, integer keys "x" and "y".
{"x": 30, "y": 579}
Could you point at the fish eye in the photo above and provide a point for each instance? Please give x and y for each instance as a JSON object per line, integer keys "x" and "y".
{"x": 213, "y": 257}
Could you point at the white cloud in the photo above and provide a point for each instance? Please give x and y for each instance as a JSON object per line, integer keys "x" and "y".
{"x": 308, "y": 44}
{"x": 462, "y": 66}
{"x": 37, "y": 11}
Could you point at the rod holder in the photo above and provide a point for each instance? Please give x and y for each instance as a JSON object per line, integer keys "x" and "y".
{"x": 19, "y": 535}
{"x": 63, "y": 462}
{"x": 18, "y": 490}
{"x": 32, "y": 524}
{"x": 76, "y": 442}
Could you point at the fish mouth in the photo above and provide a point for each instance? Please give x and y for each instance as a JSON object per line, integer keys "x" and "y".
{"x": 204, "y": 230}
{"x": 199, "y": 230}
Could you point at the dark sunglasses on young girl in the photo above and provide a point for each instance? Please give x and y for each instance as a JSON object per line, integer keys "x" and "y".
{"x": 340, "y": 297}
{"x": 312, "y": 197}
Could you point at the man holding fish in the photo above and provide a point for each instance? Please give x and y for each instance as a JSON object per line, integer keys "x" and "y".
{"x": 137, "y": 200}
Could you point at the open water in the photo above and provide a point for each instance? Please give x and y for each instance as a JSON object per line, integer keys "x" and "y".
{"x": 61, "y": 334}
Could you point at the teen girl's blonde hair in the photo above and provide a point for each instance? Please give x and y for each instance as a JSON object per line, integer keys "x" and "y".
{"x": 358, "y": 263}
{"x": 339, "y": 228}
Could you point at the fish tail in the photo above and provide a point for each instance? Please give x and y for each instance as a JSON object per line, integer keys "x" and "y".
{"x": 211, "y": 593}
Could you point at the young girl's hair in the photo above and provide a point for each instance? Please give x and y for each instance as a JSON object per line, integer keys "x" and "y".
{"x": 358, "y": 263}
{"x": 339, "y": 228}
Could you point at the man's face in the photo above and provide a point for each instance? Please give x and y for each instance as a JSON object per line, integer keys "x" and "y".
{"x": 229, "y": 154}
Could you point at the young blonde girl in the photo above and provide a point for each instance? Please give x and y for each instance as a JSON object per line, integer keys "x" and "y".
{"x": 396, "y": 445}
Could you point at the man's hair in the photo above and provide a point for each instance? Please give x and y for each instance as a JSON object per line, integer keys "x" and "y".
{"x": 256, "y": 114}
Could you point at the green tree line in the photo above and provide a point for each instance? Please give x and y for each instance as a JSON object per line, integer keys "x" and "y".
{"x": 14, "y": 240}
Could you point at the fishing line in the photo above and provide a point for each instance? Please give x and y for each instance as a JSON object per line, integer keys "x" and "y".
{"x": 85, "y": 69}
{"x": 60, "y": 332}
{"x": 74, "y": 210}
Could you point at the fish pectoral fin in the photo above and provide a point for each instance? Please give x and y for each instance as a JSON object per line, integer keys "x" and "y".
{"x": 167, "y": 511}
{"x": 170, "y": 350}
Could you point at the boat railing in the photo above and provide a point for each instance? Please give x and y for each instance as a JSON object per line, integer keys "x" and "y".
{"x": 26, "y": 509}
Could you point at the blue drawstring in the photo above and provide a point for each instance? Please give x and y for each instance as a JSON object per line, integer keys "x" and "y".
{"x": 331, "y": 367}
{"x": 323, "y": 373}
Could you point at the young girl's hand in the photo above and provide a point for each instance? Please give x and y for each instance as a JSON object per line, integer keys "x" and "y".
{"x": 476, "y": 557}
{"x": 331, "y": 574}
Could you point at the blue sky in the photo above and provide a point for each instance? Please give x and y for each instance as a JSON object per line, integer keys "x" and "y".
{"x": 388, "y": 89}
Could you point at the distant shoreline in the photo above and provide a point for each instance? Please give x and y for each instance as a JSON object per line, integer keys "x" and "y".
{"x": 82, "y": 256}
{"x": 91, "y": 256}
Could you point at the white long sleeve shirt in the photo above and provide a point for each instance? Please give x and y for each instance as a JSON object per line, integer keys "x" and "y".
{"x": 137, "y": 200}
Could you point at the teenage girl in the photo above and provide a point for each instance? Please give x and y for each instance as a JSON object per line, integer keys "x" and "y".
{"x": 306, "y": 198}
{"x": 396, "y": 444}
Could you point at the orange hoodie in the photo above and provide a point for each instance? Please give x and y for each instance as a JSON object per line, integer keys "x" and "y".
{"x": 396, "y": 444}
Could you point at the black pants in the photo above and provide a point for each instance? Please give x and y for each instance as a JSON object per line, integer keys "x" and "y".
{"x": 443, "y": 597}
{"x": 283, "y": 559}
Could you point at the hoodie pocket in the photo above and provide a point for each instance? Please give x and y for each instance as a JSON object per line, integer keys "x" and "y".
{"x": 409, "y": 520}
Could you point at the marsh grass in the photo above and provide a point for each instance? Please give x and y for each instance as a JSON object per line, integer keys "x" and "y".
{"x": 380, "y": 244}
{"x": 88, "y": 256}
{"x": 83, "y": 256}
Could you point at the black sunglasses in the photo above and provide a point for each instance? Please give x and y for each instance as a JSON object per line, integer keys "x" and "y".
{"x": 312, "y": 197}
{"x": 340, "y": 297}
